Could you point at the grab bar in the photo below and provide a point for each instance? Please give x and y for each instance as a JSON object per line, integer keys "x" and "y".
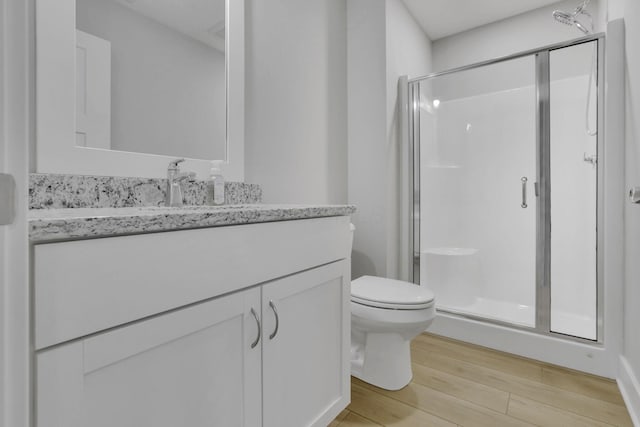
{"x": 524, "y": 192}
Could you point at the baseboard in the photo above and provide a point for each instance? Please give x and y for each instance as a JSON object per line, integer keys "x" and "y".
{"x": 630, "y": 389}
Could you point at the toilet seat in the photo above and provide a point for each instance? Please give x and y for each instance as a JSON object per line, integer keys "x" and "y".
{"x": 380, "y": 292}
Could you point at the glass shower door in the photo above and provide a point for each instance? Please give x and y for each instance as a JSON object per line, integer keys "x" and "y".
{"x": 478, "y": 205}
{"x": 574, "y": 180}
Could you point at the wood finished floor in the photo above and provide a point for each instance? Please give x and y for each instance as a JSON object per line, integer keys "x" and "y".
{"x": 459, "y": 384}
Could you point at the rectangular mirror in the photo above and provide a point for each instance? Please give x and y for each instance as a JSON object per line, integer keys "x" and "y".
{"x": 151, "y": 76}
{"x": 125, "y": 86}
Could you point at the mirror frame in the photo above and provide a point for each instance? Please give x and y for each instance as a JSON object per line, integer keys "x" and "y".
{"x": 56, "y": 110}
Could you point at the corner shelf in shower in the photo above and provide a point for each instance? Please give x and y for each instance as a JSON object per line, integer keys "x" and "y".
{"x": 450, "y": 251}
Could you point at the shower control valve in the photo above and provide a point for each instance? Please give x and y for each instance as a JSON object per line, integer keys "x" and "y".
{"x": 590, "y": 159}
{"x": 634, "y": 195}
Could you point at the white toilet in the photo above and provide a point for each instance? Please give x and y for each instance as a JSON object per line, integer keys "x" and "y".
{"x": 386, "y": 315}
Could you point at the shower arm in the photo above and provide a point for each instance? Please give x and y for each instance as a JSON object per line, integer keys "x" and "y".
{"x": 582, "y": 7}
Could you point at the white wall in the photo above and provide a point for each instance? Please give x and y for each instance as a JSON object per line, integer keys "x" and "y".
{"x": 630, "y": 11}
{"x": 367, "y": 134}
{"x": 168, "y": 89}
{"x": 632, "y": 178}
{"x": 384, "y": 43}
{"x": 16, "y": 133}
{"x": 296, "y": 93}
{"x": 408, "y": 53}
{"x": 519, "y": 33}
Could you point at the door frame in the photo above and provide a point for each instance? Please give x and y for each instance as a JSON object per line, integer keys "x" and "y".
{"x": 16, "y": 138}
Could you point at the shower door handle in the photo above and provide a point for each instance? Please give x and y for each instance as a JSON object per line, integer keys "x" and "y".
{"x": 524, "y": 192}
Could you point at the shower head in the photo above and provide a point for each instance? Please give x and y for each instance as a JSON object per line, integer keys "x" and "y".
{"x": 571, "y": 19}
{"x": 564, "y": 17}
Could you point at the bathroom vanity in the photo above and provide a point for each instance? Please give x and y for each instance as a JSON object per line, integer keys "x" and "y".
{"x": 244, "y": 322}
{"x": 145, "y": 315}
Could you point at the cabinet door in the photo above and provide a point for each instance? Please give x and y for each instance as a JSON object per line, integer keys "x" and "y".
{"x": 306, "y": 361}
{"x": 191, "y": 367}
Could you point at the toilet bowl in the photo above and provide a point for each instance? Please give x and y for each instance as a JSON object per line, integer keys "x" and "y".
{"x": 386, "y": 315}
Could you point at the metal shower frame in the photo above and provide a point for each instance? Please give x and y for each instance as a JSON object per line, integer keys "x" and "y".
{"x": 543, "y": 221}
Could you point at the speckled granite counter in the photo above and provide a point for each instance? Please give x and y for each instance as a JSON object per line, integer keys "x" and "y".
{"x": 53, "y": 191}
{"x": 46, "y": 225}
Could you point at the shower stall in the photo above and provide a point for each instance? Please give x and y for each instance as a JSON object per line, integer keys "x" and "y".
{"x": 506, "y": 178}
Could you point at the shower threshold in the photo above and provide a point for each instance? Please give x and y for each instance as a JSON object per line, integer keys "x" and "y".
{"x": 492, "y": 309}
{"x": 522, "y": 315}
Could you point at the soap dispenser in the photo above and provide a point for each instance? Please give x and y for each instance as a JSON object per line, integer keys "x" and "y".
{"x": 215, "y": 185}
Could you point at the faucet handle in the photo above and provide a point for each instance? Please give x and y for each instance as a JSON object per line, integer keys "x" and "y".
{"x": 174, "y": 164}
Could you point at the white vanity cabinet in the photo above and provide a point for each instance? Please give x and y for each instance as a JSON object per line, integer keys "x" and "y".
{"x": 191, "y": 367}
{"x": 305, "y": 357}
{"x": 273, "y": 352}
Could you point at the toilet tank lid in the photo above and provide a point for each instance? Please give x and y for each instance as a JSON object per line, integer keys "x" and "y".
{"x": 390, "y": 291}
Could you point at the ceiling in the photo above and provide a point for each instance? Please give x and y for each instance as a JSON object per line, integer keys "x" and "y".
{"x": 202, "y": 20}
{"x": 441, "y": 18}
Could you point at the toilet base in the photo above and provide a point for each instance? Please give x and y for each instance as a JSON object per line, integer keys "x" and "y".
{"x": 383, "y": 361}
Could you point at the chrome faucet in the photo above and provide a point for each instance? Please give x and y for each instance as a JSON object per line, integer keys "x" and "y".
{"x": 174, "y": 197}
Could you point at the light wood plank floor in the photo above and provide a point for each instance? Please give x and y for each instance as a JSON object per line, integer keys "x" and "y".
{"x": 459, "y": 384}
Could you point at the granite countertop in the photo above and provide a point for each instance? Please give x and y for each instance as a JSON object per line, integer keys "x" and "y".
{"x": 47, "y": 225}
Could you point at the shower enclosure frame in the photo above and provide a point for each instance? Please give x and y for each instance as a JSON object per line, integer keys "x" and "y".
{"x": 543, "y": 216}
